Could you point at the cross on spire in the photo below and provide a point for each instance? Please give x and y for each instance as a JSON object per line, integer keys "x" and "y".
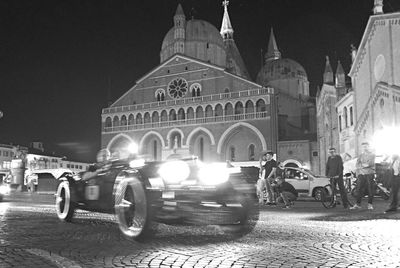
{"x": 225, "y": 3}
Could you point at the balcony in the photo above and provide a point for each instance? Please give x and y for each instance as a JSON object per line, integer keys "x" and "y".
{"x": 188, "y": 122}
{"x": 188, "y": 101}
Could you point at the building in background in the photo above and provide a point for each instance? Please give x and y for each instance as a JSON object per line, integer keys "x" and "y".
{"x": 198, "y": 101}
{"x": 201, "y": 101}
{"x": 351, "y": 113}
{"x": 334, "y": 114}
{"x": 20, "y": 161}
{"x": 296, "y": 112}
{"x": 375, "y": 75}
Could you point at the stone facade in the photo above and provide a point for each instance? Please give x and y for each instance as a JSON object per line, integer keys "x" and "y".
{"x": 200, "y": 101}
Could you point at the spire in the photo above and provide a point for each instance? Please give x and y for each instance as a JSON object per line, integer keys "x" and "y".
{"x": 340, "y": 76}
{"x": 273, "y": 51}
{"x": 179, "y": 11}
{"x": 328, "y": 73}
{"x": 378, "y": 7}
{"x": 226, "y": 27}
{"x": 179, "y": 30}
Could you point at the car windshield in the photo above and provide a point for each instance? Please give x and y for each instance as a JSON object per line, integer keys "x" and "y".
{"x": 310, "y": 172}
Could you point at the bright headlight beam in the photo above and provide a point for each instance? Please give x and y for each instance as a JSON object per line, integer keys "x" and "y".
{"x": 214, "y": 174}
{"x": 174, "y": 171}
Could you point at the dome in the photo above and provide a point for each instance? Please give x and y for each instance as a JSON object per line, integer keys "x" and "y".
{"x": 202, "y": 40}
{"x": 196, "y": 30}
{"x": 280, "y": 69}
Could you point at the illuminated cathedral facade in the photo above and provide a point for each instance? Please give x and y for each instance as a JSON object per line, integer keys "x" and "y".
{"x": 200, "y": 100}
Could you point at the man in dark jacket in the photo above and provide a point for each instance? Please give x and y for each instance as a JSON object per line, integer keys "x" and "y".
{"x": 334, "y": 171}
{"x": 287, "y": 193}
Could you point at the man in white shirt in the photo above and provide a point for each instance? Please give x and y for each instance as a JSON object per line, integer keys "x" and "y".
{"x": 395, "y": 184}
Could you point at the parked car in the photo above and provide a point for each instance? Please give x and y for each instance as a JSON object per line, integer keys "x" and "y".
{"x": 179, "y": 191}
{"x": 305, "y": 182}
{"x": 45, "y": 180}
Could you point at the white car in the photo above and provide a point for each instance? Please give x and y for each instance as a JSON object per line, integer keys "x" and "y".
{"x": 305, "y": 182}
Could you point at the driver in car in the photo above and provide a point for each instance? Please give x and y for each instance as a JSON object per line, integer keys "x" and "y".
{"x": 103, "y": 163}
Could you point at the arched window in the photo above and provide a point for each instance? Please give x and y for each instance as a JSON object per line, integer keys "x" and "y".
{"x": 345, "y": 117}
{"x": 199, "y": 112}
{"x": 228, "y": 109}
{"x": 239, "y": 108}
{"x": 261, "y": 106}
{"x": 340, "y": 123}
{"x": 139, "y": 119}
{"x": 232, "y": 153}
{"x": 116, "y": 121}
{"x": 131, "y": 119}
{"x": 172, "y": 115}
{"x": 181, "y": 114}
{"x": 108, "y": 122}
{"x": 218, "y": 110}
{"x": 154, "y": 117}
{"x": 251, "y": 152}
{"x": 190, "y": 113}
{"x": 123, "y": 121}
{"x": 164, "y": 116}
{"x": 147, "y": 118}
{"x": 160, "y": 94}
{"x": 249, "y": 107}
{"x": 351, "y": 116}
{"x": 195, "y": 89}
{"x": 209, "y": 111}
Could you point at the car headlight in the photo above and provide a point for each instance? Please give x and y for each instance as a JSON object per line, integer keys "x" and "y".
{"x": 136, "y": 163}
{"x": 214, "y": 174}
{"x": 4, "y": 189}
{"x": 174, "y": 171}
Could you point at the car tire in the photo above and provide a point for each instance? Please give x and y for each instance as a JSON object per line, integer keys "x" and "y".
{"x": 318, "y": 193}
{"x": 132, "y": 209}
{"x": 248, "y": 215}
{"x": 64, "y": 206}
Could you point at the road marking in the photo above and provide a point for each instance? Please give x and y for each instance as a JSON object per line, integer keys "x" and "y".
{"x": 54, "y": 258}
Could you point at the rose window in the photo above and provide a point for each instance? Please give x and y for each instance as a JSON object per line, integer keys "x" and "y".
{"x": 177, "y": 88}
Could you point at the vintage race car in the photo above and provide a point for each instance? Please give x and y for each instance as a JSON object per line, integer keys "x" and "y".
{"x": 184, "y": 191}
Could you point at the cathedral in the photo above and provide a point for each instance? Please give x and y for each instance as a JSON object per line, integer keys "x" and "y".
{"x": 200, "y": 100}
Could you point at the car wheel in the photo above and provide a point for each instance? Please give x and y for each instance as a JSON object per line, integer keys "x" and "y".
{"x": 64, "y": 205}
{"x": 132, "y": 209}
{"x": 318, "y": 193}
{"x": 248, "y": 215}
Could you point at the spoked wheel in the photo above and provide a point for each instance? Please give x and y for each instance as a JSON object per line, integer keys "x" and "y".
{"x": 132, "y": 209}
{"x": 64, "y": 207}
{"x": 328, "y": 197}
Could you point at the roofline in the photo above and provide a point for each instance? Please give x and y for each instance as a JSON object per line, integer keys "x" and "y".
{"x": 364, "y": 39}
{"x": 173, "y": 58}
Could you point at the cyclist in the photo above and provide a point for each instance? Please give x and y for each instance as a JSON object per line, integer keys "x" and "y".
{"x": 334, "y": 171}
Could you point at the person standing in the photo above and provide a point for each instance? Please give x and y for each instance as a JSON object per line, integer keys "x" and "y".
{"x": 269, "y": 169}
{"x": 395, "y": 184}
{"x": 365, "y": 174}
{"x": 334, "y": 171}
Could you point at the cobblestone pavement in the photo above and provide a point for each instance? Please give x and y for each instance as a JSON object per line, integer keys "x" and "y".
{"x": 306, "y": 235}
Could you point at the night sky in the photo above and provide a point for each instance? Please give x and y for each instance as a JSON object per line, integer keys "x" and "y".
{"x": 61, "y": 62}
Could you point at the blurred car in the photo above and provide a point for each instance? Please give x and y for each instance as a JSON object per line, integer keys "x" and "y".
{"x": 184, "y": 191}
{"x": 305, "y": 182}
{"x": 45, "y": 180}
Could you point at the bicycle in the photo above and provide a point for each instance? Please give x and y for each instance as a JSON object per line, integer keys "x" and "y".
{"x": 329, "y": 195}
